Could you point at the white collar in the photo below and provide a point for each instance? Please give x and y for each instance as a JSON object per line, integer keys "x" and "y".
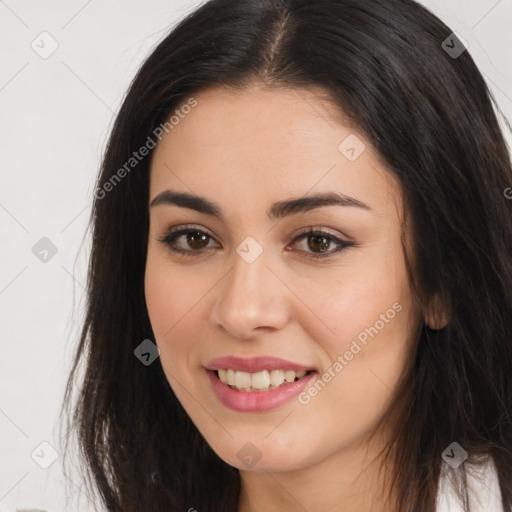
{"x": 483, "y": 488}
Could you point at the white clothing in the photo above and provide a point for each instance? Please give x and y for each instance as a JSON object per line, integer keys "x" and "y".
{"x": 483, "y": 489}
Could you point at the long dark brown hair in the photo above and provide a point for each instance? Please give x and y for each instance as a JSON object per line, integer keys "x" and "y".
{"x": 430, "y": 117}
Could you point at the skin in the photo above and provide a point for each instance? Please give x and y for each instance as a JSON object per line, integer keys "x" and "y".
{"x": 245, "y": 150}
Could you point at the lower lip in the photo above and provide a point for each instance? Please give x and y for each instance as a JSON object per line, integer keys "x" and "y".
{"x": 257, "y": 401}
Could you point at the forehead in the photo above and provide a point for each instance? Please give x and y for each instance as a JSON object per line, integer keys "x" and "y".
{"x": 268, "y": 144}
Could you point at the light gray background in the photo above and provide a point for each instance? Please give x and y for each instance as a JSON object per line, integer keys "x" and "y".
{"x": 55, "y": 117}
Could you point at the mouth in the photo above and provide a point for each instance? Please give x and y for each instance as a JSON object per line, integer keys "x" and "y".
{"x": 259, "y": 382}
{"x": 260, "y": 391}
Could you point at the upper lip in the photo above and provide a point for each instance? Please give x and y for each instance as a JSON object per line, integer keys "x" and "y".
{"x": 254, "y": 364}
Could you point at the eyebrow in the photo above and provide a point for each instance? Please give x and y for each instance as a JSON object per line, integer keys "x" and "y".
{"x": 277, "y": 210}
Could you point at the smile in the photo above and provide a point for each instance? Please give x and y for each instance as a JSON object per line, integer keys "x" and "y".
{"x": 252, "y": 399}
{"x": 260, "y": 381}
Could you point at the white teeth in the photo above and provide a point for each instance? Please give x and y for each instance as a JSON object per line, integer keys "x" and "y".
{"x": 289, "y": 376}
{"x": 276, "y": 377}
{"x": 259, "y": 381}
{"x": 242, "y": 380}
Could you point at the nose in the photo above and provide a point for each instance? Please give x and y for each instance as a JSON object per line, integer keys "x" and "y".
{"x": 251, "y": 299}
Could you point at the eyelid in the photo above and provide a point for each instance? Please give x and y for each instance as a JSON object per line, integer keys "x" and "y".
{"x": 186, "y": 227}
{"x": 176, "y": 232}
{"x": 183, "y": 229}
{"x": 301, "y": 231}
{"x": 308, "y": 229}
{"x": 343, "y": 242}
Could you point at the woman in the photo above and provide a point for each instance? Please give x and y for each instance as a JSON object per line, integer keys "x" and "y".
{"x": 300, "y": 287}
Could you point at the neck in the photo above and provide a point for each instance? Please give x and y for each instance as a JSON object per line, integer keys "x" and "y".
{"x": 348, "y": 480}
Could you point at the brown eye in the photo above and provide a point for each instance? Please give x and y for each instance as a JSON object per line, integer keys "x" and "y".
{"x": 318, "y": 243}
{"x": 190, "y": 241}
{"x": 196, "y": 239}
{"x": 187, "y": 240}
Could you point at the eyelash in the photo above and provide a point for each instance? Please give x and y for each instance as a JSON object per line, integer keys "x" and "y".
{"x": 175, "y": 233}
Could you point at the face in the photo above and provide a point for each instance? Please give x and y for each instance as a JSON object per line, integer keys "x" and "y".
{"x": 250, "y": 282}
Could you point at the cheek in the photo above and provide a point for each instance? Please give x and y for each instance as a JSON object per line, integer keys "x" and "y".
{"x": 160, "y": 297}
{"x": 364, "y": 304}
{"x": 172, "y": 292}
{"x": 172, "y": 299}
{"x": 363, "y": 315}
{"x": 371, "y": 314}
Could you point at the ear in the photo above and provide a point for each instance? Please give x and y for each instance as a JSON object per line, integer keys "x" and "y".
{"x": 436, "y": 316}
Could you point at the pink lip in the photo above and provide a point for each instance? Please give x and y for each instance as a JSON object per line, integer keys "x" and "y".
{"x": 257, "y": 401}
{"x": 254, "y": 364}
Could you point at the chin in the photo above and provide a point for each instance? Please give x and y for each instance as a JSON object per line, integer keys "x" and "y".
{"x": 260, "y": 456}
